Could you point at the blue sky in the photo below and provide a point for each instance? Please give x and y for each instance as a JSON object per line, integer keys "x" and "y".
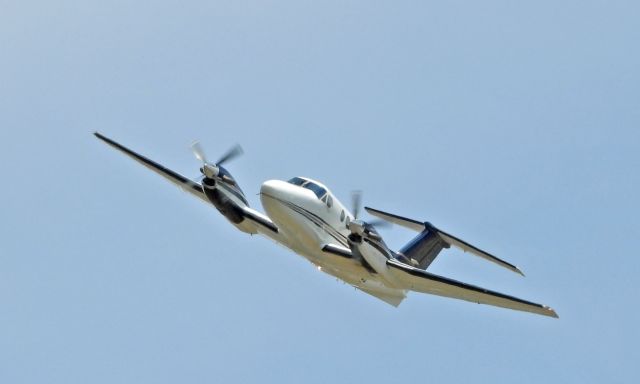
{"x": 514, "y": 126}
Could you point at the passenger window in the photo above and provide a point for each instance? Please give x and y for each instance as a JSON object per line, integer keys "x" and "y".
{"x": 329, "y": 201}
{"x": 342, "y": 215}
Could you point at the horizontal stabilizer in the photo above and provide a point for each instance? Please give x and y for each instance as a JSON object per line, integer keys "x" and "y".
{"x": 461, "y": 244}
{"x": 419, "y": 226}
{"x": 408, "y": 277}
{"x": 416, "y": 225}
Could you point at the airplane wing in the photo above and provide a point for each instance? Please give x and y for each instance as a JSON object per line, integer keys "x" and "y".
{"x": 260, "y": 219}
{"x": 390, "y": 298}
{"x": 449, "y": 239}
{"x": 420, "y": 280}
{"x": 182, "y": 182}
{"x": 338, "y": 250}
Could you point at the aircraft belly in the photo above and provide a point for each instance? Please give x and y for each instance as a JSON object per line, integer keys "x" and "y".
{"x": 307, "y": 238}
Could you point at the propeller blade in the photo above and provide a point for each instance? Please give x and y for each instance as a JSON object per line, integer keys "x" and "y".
{"x": 198, "y": 179}
{"x": 198, "y": 152}
{"x": 379, "y": 223}
{"x": 356, "y": 203}
{"x": 231, "y": 154}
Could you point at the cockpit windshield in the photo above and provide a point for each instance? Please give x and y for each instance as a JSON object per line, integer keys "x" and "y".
{"x": 310, "y": 185}
{"x": 315, "y": 188}
{"x": 297, "y": 181}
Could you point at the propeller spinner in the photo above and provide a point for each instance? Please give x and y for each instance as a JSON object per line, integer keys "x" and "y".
{"x": 212, "y": 170}
{"x": 360, "y": 228}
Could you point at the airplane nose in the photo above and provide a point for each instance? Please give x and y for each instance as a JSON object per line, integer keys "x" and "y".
{"x": 273, "y": 195}
{"x": 273, "y": 188}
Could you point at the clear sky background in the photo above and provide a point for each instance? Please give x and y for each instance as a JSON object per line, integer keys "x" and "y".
{"x": 512, "y": 125}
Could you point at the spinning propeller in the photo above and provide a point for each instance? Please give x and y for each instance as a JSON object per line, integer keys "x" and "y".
{"x": 359, "y": 228}
{"x": 212, "y": 170}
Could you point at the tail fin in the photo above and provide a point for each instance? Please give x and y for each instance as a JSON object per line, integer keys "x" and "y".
{"x": 424, "y": 248}
{"x": 431, "y": 240}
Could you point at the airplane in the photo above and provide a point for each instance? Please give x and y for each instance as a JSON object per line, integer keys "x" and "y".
{"x": 304, "y": 215}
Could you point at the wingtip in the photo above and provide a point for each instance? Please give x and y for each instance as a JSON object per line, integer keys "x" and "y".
{"x": 104, "y": 138}
{"x": 552, "y": 312}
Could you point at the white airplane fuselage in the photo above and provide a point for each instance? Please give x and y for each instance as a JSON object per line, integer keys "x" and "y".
{"x": 306, "y": 224}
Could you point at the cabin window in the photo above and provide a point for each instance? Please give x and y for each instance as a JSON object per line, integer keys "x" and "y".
{"x": 342, "y": 215}
{"x": 329, "y": 201}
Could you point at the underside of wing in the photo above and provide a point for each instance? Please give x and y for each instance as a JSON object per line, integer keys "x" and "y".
{"x": 391, "y": 298}
{"x": 184, "y": 183}
{"x": 419, "y": 280}
{"x": 256, "y": 221}
{"x": 337, "y": 250}
{"x": 261, "y": 220}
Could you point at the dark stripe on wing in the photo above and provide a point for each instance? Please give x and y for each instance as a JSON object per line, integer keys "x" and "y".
{"x": 430, "y": 276}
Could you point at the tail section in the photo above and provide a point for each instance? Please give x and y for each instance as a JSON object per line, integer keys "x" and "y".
{"x": 425, "y": 247}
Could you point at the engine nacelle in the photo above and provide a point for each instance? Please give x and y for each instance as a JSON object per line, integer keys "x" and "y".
{"x": 227, "y": 206}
